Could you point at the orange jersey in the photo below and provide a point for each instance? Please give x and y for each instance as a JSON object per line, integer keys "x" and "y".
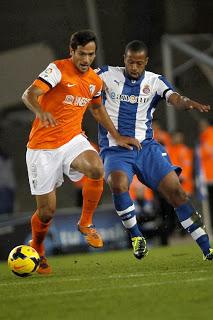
{"x": 68, "y": 92}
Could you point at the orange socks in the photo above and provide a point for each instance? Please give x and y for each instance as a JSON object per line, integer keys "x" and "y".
{"x": 92, "y": 191}
{"x": 39, "y": 231}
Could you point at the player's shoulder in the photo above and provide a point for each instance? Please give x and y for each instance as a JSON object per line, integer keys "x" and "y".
{"x": 152, "y": 75}
{"x": 109, "y": 69}
{"x": 155, "y": 79}
{"x": 62, "y": 63}
{"x": 94, "y": 76}
{"x": 156, "y": 76}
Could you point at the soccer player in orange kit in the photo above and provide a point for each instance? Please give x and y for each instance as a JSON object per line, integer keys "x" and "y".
{"x": 59, "y": 98}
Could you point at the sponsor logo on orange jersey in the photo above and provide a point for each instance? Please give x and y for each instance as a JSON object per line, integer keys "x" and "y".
{"x": 76, "y": 101}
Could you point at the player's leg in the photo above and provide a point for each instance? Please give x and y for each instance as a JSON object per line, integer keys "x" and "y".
{"x": 45, "y": 174}
{"x": 41, "y": 219}
{"x": 119, "y": 185}
{"x": 155, "y": 170}
{"x": 190, "y": 219}
{"x": 40, "y": 222}
{"x": 90, "y": 164}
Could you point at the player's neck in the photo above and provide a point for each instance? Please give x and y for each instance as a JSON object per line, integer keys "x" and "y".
{"x": 131, "y": 78}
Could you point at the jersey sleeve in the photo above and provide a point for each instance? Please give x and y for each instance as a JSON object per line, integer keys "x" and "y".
{"x": 164, "y": 88}
{"x": 97, "y": 94}
{"x": 48, "y": 78}
{"x": 100, "y": 71}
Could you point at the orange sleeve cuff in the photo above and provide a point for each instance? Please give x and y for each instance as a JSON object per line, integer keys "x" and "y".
{"x": 41, "y": 85}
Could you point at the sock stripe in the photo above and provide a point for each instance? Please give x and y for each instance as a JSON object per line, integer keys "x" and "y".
{"x": 127, "y": 216}
{"x": 127, "y": 210}
{"x": 199, "y": 232}
{"x": 192, "y": 222}
{"x": 187, "y": 223}
{"x": 129, "y": 223}
{"x": 193, "y": 227}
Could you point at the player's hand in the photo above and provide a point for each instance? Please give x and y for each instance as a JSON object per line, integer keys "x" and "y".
{"x": 128, "y": 142}
{"x": 197, "y": 106}
{"x": 47, "y": 119}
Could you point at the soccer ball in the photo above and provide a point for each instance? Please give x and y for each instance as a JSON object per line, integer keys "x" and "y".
{"x": 23, "y": 261}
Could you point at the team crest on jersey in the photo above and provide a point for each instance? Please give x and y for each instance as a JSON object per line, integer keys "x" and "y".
{"x": 91, "y": 88}
{"x": 146, "y": 89}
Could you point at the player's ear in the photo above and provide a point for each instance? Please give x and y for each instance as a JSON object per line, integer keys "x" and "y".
{"x": 147, "y": 60}
{"x": 71, "y": 52}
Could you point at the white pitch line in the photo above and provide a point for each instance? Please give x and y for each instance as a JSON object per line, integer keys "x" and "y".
{"x": 51, "y": 279}
{"x": 65, "y": 292}
{"x": 151, "y": 273}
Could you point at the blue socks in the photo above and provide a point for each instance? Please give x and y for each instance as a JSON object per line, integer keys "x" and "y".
{"x": 192, "y": 222}
{"x": 126, "y": 211}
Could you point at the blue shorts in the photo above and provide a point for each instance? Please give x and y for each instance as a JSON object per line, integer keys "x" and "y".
{"x": 150, "y": 164}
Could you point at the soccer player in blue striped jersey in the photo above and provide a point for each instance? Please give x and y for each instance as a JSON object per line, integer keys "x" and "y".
{"x": 131, "y": 95}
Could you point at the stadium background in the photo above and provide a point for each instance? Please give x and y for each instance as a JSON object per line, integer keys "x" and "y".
{"x": 50, "y": 23}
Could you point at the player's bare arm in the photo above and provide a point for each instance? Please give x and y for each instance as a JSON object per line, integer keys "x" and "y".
{"x": 100, "y": 114}
{"x": 183, "y": 102}
{"x": 30, "y": 99}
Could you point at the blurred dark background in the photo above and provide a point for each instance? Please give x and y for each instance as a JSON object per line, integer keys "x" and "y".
{"x": 35, "y": 32}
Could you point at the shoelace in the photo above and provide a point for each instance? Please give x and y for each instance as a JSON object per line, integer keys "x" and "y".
{"x": 93, "y": 232}
{"x": 141, "y": 246}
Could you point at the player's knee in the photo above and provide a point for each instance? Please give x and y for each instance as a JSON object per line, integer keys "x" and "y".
{"x": 96, "y": 171}
{"x": 178, "y": 197}
{"x": 119, "y": 189}
{"x": 46, "y": 213}
{"x": 117, "y": 186}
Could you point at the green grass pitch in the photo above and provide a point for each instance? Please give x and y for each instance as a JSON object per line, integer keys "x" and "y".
{"x": 170, "y": 283}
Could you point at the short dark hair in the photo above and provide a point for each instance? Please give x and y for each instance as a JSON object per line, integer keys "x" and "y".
{"x": 81, "y": 38}
{"x": 136, "y": 46}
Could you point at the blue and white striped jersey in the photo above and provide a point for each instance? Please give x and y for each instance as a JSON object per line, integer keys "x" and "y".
{"x": 131, "y": 103}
